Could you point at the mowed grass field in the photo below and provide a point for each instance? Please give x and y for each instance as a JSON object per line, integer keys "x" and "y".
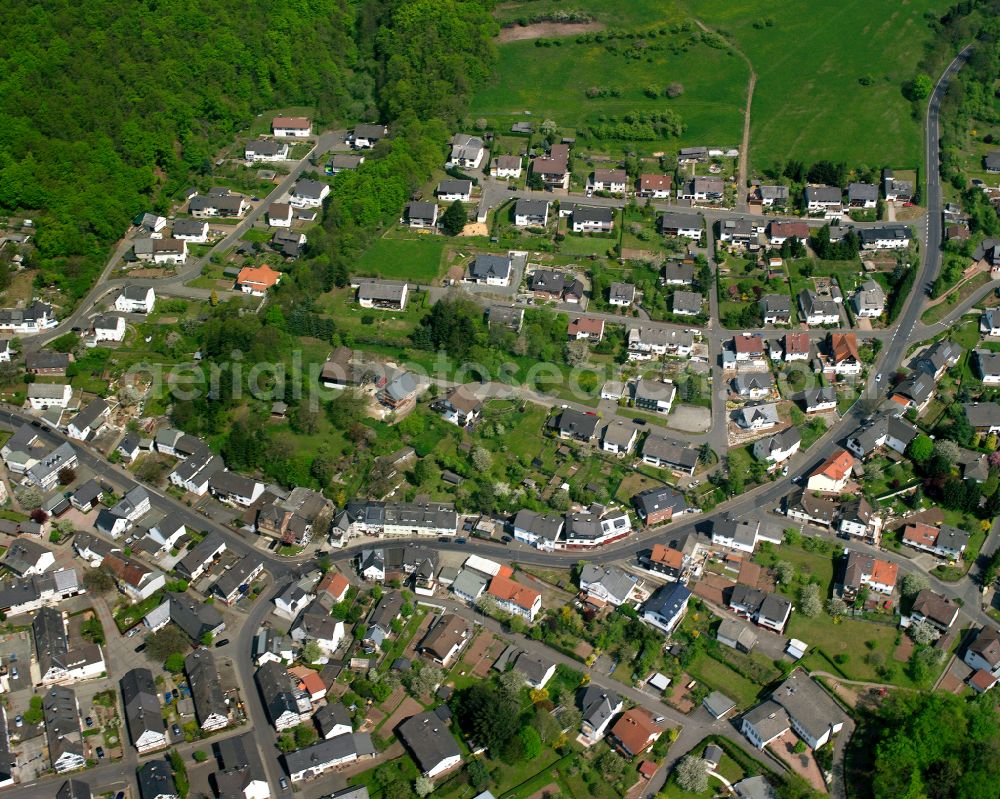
{"x": 551, "y": 83}
{"x": 417, "y": 260}
{"x": 808, "y": 102}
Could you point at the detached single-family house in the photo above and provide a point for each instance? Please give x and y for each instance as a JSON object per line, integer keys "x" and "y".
{"x": 430, "y": 741}
{"x": 585, "y": 328}
{"x": 702, "y": 189}
{"x": 587, "y": 219}
{"x": 686, "y": 303}
{"x": 421, "y": 214}
{"x": 780, "y": 232}
{"x": 454, "y": 189}
{"x": 655, "y": 186}
{"x": 599, "y": 706}
{"x": 988, "y": 366}
{"x": 365, "y": 137}
{"x": 143, "y": 716}
{"x": 665, "y": 608}
{"x": 466, "y": 152}
{"x": 776, "y": 309}
{"x": 757, "y": 417}
{"x": 819, "y": 400}
{"x": 460, "y": 407}
{"x": 833, "y": 474}
{"x": 531, "y": 213}
{"x": 938, "y": 611}
{"x": 619, "y": 437}
{"x": 614, "y": 181}
{"x": 654, "y": 395}
{"x": 291, "y": 127}
{"x": 490, "y": 270}
{"x": 383, "y": 295}
{"x": 885, "y": 237}
{"x": 309, "y": 194}
{"x": 778, "y": 448}
{"x": 688, "y": 226}
{"x": 512, "y": 597}
{"x": 665, "y": 453}
{"x": 136, "y": 299}
{"x": 816, "y": 311}
{"x": 635, "y": 731}
{"x": 861, "y": 571}
{"x": 506, "y": 166}
{"x": 266, "y": 150}
{"x": 869, "y": 300}
{"x": 823, "y": 198}
{"x": 659, "y": 505}
{"x": 189, "y": 230}
{"x": 553, "y": 169}
{"x": 109, "y": 327}
{"x": 256, "y": 280}
{"x": 621, "y": 295}
{"x": 862, "y": 195}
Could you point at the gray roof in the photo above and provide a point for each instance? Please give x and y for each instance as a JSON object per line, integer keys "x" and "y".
{"x": 421, "y": 210}
{"x": 236, "y": 575}
{"x": 735, "y": 630}
{"x": 330, "y": 750}
{"x": 330, "y": 715}
{"x": 869, "y": 235}
{"x": 543, "y": 525}
{"x": 206, "y": 684}
{"x": 486, "y": 266}
{"x": 862, "y": 192}
{"x": 747, "y": 415}
{"x": 673, "y": 452}
{"x": 814, "y": 396}
{"x": 619, "y": 432}
{"x": 277, "y": 690}
{"x": 983, "y": 414}
{"x": 134, "y": 292}
{"x": 369, "y": 131}
{"x": 22, "y": 555}
{"x": 776, "y": 303}
{"x": 239, "y": 768}
{"x": 44, "y": 359}
{"x": 74, "y": 789}
{"x": 598, "y": 704}
{"x": 768, "y": 718}
{"x": 46, "y": 390}
{"x": 140, "y": 699}
{"x": 616, "y": 582}
{"x": 381, "y": 291}
{"x": 189, "y": 227}
{"x": 754, "y": 788}
{"x": 805, "y": 701}
{"x": 718, "y": 704}
{"x": 470, "y": 583}
{"x": 783, "y": 441}
{"x": 454, "y": 186}
{"x": 823, "y": 194}
{"x": 668, "y": 600}
{"x": 680, "y": 221}
{"x": 687, "y": 301}
{"x": 310, "y": 189}
{"x": 678, "y": 273}
{"x": 226, "y": 482}
{"x": 52, "y": 462}
{"x": 89, "y": 416}
{"x": 600, "y": 214}
{"x": 938, "y": 356}
{"x": 774, "y": 608}
{"x": 194, "y": 618}
{"x": 156, "y": 778}
{"x": 745, "y": 383}
{"x": 429, "y": 739}
{"x": 653, "y": 500}
{"x": 526, "y": 207}
{"x": 577, "y": 423}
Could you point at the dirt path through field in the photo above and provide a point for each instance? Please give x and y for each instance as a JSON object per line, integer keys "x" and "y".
{"x": 540, "y": 30}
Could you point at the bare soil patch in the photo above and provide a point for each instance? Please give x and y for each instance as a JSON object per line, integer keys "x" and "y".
{"x": 540, "y": 30}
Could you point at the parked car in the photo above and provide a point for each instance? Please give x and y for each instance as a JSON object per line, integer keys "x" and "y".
{"x": 89, "y": 721}
{"x": 167, "y": 696}
{"x": 176, "y": 693}
{"x": 221, "y": 642}
{"x": 141, "y": 647}
{"x": 175, "y": 729}
{"x": 18, "y": 720}
{"x": 283, "y": 783}
{"x": 100, "y": 753}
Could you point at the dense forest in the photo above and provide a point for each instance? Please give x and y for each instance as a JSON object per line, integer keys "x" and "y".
{"x": 107, "y": 109}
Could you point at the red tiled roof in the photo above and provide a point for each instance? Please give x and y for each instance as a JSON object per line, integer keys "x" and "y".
{"x": 667, "y": 556}
{"x": 920, "y": 533}
{"x": 799, "y": 230}
{"x": 796, "y": 342}
{"x": 634, "y": 730}
{"x": 335, "y": 584}
{"x": 751, "y": 344}
{"x": 837, "y": 467}
{"x": 884, "y": 573}
{"x": 263, "y": 276}
{"x": 982, "y": 680}
{"x": 510, "y": 591}
{"x": 585, "y": 324}
{"x": 844, "y": 346}
{"x": 649, "y": 181}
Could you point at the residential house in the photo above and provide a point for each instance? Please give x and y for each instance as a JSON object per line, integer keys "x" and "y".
{"x": 42, "y": 396}
{"x": 869, "y": 300}
{"x": 553, "y": 169}
{"x": 917, "y": 390}
{"x": 754, "y": 386}
{"x": 576, "y": 425}
{"x": 234, "y": 488}
{"x": 156, "y": 780}
{"x": 332, "y": 719}
{"x": 514, "y": 598}
{"x": 26, "y": 321}
{"x": 885, "y": 430}
{"x": 531, "y": 213}
{"x": 450, "y": 190}
{"x": 765, "y": 723}
{"x": 862, "y": 195}
{"x": 344, "y": 162}
{"x": 196, "y": 619}
{"x": 469, "y": 585}
{"x": 814, "y": 715}
{"x": 861, "y": 571}
{"x": 607, "y": 584}
{"x": 123, "y": 515}
{"x": 382, "y": 295}
{"x": 136, "y": 299}
{"x": 25, "y": 558}
{"x": 686, "y": 303}
{"x": 585, "y": 219}
{"x": 988, "y": 366}
{"x": 169, "y": 251}
{"x": 594, "y": 527}
{"x": 656, "y": 186}
{"x": 366, "y": 136}
{"x": 199, "y": 559}
{"x": 466, "y": 152}
{"x": 460, "y": 407}
{"x": 938, "y": 611}
{"x": 688, "y": 226}
{"x": 277, "y": 691}
{"x": 944, "y": 541}
{"x": 266, "y": 150}
{"x": 675, "y": 274}
{"x": 885, "y": 237}
{"x": 546, "y": 284}
{"x": 445, "y": 639}
{"x": 653, "y": 395}
{"x": 109, "y": 327}
{"x": 585, "y": 328}
{"x": 599, "y": 705}
{"x": 537, "y": 671}
{"x": 241, "y": 775}
{"x": 211, "y": 707}
{"x": 833, "y": 474}
{"x": 859, "y": 519}
{"x": 769, "y": 196}
{"x": 136, "y": 581}
{"x": 742, "y": 232}
{"x": 46, "y": 363}
{"x": 143, "y": 716}
{"x": 668, "y": 561}
{"x": 770, "y": 611}
{"x": 256, "y": 280}
{"x": 421, "y": 214}
{"x": 692, "y": 155}
{"x": 896, "y": 190}
{"x": 816, "y": 311}
{"x": 309, "y": 194}
{"x": 749, "y": 349}
{"x": 219, "y": 202}
{"x": 61, "y": 714}
{"x": 665, "y": 453}
{"x": 938, "y": 358}
{"x": 619, "y": 436}
{"x": 621, "y": 295}
{"x": 776, "y": 309}
{"x": 536, "y": 529}
{"x": 32, "y": 593}
{"x": 820, "y": 400}
{"x": 190, "y": 230}
{"x": 646, "y": 343}
{"x": 702, "y": 189}
{"x": 431, "y": 743}
{"x": 291, "y": 127}
{"x": 506, "y": 166}
{"x": 778, "y": 448}
{"x": 89, "y": 421}
{"x": 665, "y": 608}
{"x": 823, "y": 198}
{"x": 989, "y": 322}
{"x": 234, "y": 583}
{"x": 319, "y": 758}
{"x": 757, "y": 417}
{"x": 635, "y": 731}
{"x": 614, "y": 181}
{"x": 44, "y": 473}
{"x": 780, "y": 232}
{"x": 983, "y": 654}
{"x": 984, "y": 416}
{"x": 291, "y": 601}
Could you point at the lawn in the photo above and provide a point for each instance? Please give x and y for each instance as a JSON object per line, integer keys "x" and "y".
{"x": 809, "y": 61}
{"x": 552, "y": 83}
{"x": 954, "y": 298}
{"x": 418, "y": 259}
{"x": 720, "y": 677}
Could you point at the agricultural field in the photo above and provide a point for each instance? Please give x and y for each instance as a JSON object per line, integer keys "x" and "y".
{"x": 832, "y": 88}
{"x": 553, "y": 82}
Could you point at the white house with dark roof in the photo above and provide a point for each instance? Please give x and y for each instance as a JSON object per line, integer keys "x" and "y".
{"x": 265, "y": 150}
{"x": 454, "y": 189}
{"x": 309, "y": 194}
{"x": 598, "y": 219}
{"x": 169, "y": 251}
{"x": 421, "y": 215}
{"x": 531, "y": 213}
{"x": 862, "y": 195}
{"x": 136, "y": 299}
{"x": 366, "y": 136}
{"x": 490, "y": 270}
{"x": 466, "y": 152}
